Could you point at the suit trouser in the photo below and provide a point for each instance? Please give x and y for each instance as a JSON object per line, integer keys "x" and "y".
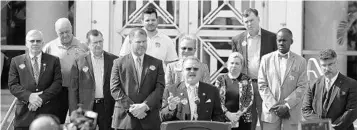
{"x": 62, "y": 105}
{"x": 281, "y": 124}
{"x": 256, "y": 107}
{"x": 104, "y": 119}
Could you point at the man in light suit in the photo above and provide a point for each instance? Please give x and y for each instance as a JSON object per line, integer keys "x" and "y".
{"x": 333, "y": 96}
{"x": 253, "y": 44}
{"x": 91, "y": 81}
{"x": 282, "y": 81}
{"x": 137, "y": 83}
{"x": 191, "y": 99}
{"x": 173, "y": 73}
{"x": 35, "y": 80}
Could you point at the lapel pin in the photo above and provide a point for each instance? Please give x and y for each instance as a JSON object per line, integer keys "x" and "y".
{"x": 152, "y": 67}
{"x": 291, "y": 77}
{"x": 244, "y": 43}
{"x": 181, "y": 94}
{"x": 22, "y": 66}
{"x": 44, "y": 66}
{"x": 85, "y": 69}
{"x": 204, "y": 94}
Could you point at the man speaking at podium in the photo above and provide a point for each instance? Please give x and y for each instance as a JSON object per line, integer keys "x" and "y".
{"x": 191, "y": 99}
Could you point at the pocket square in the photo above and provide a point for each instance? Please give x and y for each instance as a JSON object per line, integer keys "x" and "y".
{"x": 209, "y": 100}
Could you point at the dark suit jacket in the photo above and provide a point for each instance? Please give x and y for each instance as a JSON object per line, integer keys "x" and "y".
{"x": 82, "y": 89}
{"x": 209, "y": 107}
{"x": 22, "y": 83}
{"x": 268, "y": 44}
{"x": 126, "y": 90}
{"x": 342, "y": 105}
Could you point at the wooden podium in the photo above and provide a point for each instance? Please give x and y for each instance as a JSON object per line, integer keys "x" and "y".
{"x": 195, "y": 125}
{"x": 317, "y": 124}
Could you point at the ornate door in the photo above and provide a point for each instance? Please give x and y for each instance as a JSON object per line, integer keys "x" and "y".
{"x": 214, "y": 22}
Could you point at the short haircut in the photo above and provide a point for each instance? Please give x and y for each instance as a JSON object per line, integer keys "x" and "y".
{"x": 93, "y": 32}
{"x": 31, "y": 33}
{"x": 150, "y": 10}
{"x": 286, "y": 30}
{"x": 190, "y": 37}
{"x": 236, "y": 55}
{"x": 327, "y": 54}
{"x": 190, "y": 58}
{"x": 250, "y": 10}
{"x": 136, "y": 31}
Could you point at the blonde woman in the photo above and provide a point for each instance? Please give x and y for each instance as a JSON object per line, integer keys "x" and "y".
{"x": 236, "y": 93}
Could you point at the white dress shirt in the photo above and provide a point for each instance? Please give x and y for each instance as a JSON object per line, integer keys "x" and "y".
{"x": 283, "y": 64}
{"x": 253, "y": 57}
{"x": 98, "y": 70}
{"x": 329, "y": 82}
{"x": 192, "y": 92}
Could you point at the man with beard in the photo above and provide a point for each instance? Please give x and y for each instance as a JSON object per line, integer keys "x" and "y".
{"x": 159, "y": 45}
{"x": 67, "y": 48}
{"x": 191, "y": 99}
{"x": 333, "y": 96}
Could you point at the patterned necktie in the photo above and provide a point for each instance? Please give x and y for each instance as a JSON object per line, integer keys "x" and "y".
{"x": 36, "y": 71}
{"x": 138, "y": 68}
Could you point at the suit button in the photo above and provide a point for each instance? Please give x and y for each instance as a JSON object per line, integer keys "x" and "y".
{"x": 36, "y": 89}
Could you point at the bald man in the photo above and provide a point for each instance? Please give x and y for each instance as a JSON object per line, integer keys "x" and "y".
{"x": 35, "y": 79}
{"x": 45, "y": 122}
{"x": 67, "y": 48}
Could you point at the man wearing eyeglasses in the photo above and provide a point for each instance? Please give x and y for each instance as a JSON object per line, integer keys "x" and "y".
{"x": 191, "y": 99}
{"x": 67, "y": 48}
{"x": 173, "y": 73}
{"x": 333, "y": 96}
{"x": 35, "y": 80}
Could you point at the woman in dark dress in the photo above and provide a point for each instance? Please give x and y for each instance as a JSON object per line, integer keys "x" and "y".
{"x": 236, "y": 94}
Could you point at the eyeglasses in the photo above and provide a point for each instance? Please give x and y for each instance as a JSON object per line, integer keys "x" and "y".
{"x": 192, "y": 68}
{"x": 32, "y": 41}
{"x": 187, "y": 48}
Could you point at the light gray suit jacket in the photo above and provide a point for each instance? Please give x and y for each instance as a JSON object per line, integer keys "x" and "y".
{"x": 290, "y": 91}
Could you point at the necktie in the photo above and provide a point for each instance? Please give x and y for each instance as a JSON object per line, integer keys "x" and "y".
{"x": 36, "y": 71}
{"x": 138, "y": 68}
{"x": 285, "y": 56}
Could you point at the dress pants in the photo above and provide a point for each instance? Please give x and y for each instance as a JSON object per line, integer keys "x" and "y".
{"x": 62, "y": 105}
{"x": 104, "y": 119}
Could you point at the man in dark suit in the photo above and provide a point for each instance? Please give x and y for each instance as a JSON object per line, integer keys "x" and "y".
{"x": 253, "y": 44}
{"x": 35, "y": 80}
{"x": 191, "y": 99}
{"x": 137, "y": 83}
{"x": 333, "y": 96}
{"x": 90, "y": 81}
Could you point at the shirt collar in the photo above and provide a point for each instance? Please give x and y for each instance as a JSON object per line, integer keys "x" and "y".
{"x": 62, "y": 46}
{"x": 231, "y": 77}
{"x": 38, "y": 56}
{"x": 259, "y": 33}
{"x": 134, "y": 56}
{"x": 288, "y": 54}
{"x": 94, "y": 57}
{"x": 333, "y": 78}
{"x": 196, "y": 85}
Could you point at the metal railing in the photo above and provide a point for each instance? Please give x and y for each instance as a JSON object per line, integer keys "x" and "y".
{"x": 7, "y": 116}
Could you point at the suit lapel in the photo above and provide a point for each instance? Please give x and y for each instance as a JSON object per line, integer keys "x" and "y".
{"x": 335, "y": 88}
{"x": 144, "y": 70}
{"x": 263, "y": 37}
{"x": 89, "y": 62}
{"x": 132, "y": 68}
{"x": 289, "y": 63}
{"x": 202, "y": 96}
{"x": 27, "y": 62}
{"x": 43, "y": 65}
{"x": 276, "y": 65}
{"x": 106, "y": 67}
